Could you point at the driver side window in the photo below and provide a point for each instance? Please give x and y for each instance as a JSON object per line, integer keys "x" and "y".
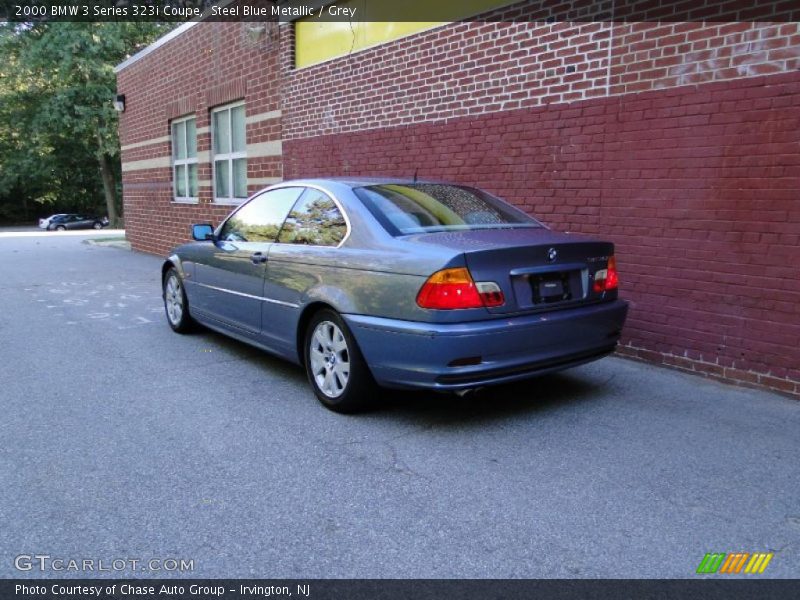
{"x": 260, "y": 219}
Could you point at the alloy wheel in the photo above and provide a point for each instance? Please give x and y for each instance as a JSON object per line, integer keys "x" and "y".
{"x": 173, "y": 300}
{"x": 330, "y": 359}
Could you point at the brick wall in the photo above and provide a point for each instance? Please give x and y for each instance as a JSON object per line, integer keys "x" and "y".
{"x": 208, "y": 65}
{"x": 477, "y": 68}
{"x": 668, "y": 139}
{"x": 698, "y": 191}
{"x": 678, "y": 141}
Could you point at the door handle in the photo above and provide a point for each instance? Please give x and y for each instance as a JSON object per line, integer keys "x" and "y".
{"x": 258, "y": 258}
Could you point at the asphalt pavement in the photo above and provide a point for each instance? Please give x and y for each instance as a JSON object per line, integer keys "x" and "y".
{"x": 120, "y": 439}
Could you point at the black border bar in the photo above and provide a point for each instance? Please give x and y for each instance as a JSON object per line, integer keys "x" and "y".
{"x": 179, "y": 11}
{"x": 403, "y": 589}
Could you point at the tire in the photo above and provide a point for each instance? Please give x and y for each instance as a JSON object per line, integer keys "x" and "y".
{"x": 335, "y": 366}
{"x": 97, "y": 225}
{"x": 61, "y": 228}
{"x": 176, "y": 305}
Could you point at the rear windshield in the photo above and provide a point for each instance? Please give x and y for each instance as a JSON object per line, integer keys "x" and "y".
{"x": 428, "y": 207}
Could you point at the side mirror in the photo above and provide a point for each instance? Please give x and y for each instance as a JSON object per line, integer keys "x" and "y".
{"x": 202, "y": 232}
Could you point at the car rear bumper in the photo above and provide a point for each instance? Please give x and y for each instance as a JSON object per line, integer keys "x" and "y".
{"x": 407, "y": 354}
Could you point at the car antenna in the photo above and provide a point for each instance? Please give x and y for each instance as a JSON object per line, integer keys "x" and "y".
{"x": 415, "y": 174}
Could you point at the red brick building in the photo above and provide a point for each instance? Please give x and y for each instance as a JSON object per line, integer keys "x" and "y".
{"x": 679, "y": 141}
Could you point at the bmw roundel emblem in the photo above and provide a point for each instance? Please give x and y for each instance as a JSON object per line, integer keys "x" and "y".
{"x": 552, "y": 254}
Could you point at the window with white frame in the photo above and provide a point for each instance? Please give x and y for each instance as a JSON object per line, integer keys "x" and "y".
{"x": 184, "y": 159}
{"x": 230, "y": 153}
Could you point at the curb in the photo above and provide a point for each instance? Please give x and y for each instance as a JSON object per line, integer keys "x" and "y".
{"x": 120, "y": 243}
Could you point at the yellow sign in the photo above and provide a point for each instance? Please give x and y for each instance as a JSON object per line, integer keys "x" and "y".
{"x": 374, "y": 23}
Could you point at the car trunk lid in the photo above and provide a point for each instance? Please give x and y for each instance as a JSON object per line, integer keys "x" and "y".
{"x": 536, "y": 269}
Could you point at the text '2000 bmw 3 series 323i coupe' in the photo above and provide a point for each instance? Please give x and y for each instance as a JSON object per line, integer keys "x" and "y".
{"x": 397, "y": 283}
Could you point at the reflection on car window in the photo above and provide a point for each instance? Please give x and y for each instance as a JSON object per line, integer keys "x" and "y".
{"x": 261, "y": 218}
{"x": 425, "y": 207}
{"x": 315, "y": 220}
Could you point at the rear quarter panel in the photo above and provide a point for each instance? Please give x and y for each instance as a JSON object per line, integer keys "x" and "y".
{"x": 367, "y": 282}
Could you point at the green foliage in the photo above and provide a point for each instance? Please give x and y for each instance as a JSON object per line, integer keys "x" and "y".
{"x": 251, "y": 232}
{"x": 318, "y": 222}
{"x": 57, "y": 122}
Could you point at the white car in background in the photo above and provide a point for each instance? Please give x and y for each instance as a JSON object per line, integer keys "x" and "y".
{"x": 43, "y": 223}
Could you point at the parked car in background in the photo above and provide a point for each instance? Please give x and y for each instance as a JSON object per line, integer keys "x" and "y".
{"x": 75, "y": 221}
{"x": 397, "y": 283}
{"x": 43, "y": 223}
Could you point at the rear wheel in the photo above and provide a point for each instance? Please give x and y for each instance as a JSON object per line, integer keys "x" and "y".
{"x": 335, "y": 366}
{"x": 61, "y": 228}
{"x": 175, "y": 303}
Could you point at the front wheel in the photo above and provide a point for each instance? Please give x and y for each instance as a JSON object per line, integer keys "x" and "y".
{"x": 97, "y": 225}
{"x": 335, "y": 366}
{"x": 175, "y": 303}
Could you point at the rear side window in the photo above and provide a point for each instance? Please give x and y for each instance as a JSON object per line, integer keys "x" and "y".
{"x": 260, "y": 219}
{"x": 427, "y": 207}
{"x": 315, "y": 220}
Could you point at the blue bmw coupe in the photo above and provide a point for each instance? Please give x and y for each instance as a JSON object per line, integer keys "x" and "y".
{"x": 397, "y": 283}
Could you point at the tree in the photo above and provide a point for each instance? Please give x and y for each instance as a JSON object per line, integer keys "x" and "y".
{"x": 58, "y": 128}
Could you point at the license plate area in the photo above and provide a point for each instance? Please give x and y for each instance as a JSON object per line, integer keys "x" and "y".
{"x": 549, "y": 288}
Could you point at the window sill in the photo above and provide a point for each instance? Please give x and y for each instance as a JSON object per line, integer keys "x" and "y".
{"x": 185, "y": 201}
{"x": 229, "y": 201}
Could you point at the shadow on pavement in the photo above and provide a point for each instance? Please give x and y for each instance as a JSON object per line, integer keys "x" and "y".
{"x": 537, "y": 395}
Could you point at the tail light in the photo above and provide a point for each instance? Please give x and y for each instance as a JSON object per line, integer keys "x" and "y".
{"x": 454, "y": 288}
{"x": 606, "y": 279}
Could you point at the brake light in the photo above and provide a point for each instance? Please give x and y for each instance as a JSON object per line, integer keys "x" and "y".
{"x": 606, "y": 279}
{"x": 454, "y": 288}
